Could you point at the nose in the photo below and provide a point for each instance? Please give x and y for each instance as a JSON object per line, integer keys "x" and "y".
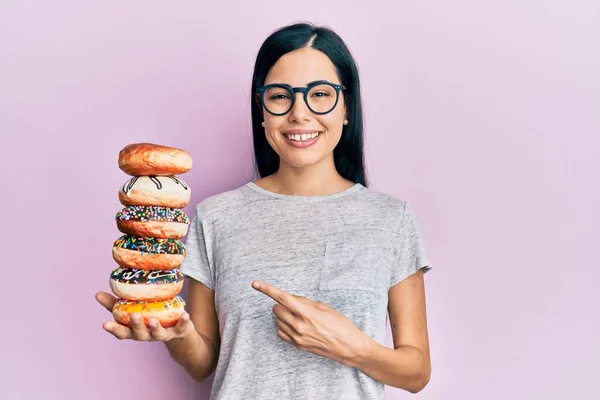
{"x": 300, "y": 112}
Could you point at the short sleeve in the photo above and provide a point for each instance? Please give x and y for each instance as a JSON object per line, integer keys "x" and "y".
{"x": 412, "y": 255}
{"x": 197, "y": 263}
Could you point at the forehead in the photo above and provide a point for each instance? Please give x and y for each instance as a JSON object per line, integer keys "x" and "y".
{"x": 300, "y": 67}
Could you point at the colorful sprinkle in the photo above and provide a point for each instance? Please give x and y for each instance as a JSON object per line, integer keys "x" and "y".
{"x": 152, "y": 213}
{"x": 150, "y": 245}
{"x": 139, "y": 306}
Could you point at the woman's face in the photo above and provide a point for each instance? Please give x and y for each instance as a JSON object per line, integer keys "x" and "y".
{"x": 298, "y": 69}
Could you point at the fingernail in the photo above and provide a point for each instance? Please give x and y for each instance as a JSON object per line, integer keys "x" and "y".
{"x": 152, "y": 323}
{"x": 135, "y": 318}
{"x": 185, "y": 316}
{"x": 256, "y": 285}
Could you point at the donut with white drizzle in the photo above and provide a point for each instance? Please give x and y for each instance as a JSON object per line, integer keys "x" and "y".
{"x": 165, "y": 191}
{"x": 139, "y": 284}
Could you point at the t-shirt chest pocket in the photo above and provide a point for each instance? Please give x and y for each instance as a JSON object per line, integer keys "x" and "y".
{"x": 351, "y": 265}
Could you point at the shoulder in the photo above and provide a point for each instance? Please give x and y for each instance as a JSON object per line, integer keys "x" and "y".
{"x": 381, "y": 203}
{"x": 398, "y": 211}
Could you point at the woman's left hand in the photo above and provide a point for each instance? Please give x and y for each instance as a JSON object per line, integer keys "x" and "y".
{"x": 313, "y": 326}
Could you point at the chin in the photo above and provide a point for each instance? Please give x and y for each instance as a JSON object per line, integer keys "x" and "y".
{"x": 305, "y": 161}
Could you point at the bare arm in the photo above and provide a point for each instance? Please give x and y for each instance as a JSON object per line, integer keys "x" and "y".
{"x": 198, "y": 351}
{"x": 193, "y": 343}
{"x": 316, "y": 327}
{"x": 408, "y": 365}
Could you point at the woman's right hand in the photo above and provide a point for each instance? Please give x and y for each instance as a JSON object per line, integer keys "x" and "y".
{"x": 138, "y": 330}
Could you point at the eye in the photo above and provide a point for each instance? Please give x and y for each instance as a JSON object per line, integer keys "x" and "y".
{"x": 320, "y": 94}
{"x": 280, "y": 96}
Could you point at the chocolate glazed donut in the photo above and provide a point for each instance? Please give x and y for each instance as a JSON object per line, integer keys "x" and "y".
{"x": 139, "y": 284}
{"x": 153, "y": 221}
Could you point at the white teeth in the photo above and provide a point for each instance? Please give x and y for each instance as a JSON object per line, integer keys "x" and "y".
{"x": 303, "y": 137}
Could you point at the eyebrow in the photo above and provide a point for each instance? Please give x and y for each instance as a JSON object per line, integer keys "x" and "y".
{"x": 319, "y": 81}
{"x": 308, "y": 84}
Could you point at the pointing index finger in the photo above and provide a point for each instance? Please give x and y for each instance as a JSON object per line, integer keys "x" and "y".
{"x": 284, "y": 298}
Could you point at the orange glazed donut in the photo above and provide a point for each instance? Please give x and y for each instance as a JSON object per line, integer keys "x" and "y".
{"x": 148, "y": 253}
{"x": 167, "y": 312}
{"x": 165, "y": 191}
{"x": 139, "y": 284}
{"x": 153, "y": 221}
{"x": 153, "y": 159}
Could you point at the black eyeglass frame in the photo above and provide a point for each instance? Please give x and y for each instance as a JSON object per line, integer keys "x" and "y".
{"x": 304, "y": 90}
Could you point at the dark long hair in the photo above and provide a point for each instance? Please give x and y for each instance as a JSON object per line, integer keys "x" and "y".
{"x": 348, "y": 154}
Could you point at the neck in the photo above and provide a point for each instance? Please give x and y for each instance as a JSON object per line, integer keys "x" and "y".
{"x": 315, "y": 180}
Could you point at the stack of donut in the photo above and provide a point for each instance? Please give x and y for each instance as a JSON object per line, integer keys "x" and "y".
{"x": 149, "y": 252}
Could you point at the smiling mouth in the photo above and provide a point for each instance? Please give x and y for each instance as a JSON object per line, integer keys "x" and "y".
{"x": 303, "y": 137}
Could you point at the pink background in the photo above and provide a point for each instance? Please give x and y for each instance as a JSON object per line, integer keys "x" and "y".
{"x": 484, "y": 116}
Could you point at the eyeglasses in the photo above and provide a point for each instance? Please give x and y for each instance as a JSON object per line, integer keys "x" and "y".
{"x": 321, "y": 97}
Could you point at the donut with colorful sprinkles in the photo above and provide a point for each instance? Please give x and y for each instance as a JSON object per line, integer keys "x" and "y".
{"x": 167, "y": 312}
{"x": 153, "y": 221}
{"x": 148, "y": 253}
{"x": 139, "y": 284}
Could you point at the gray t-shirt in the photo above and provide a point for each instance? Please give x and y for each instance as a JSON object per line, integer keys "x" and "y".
{"x": 345, "y": 249}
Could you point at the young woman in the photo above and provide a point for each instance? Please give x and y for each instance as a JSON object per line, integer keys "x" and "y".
{"x": 292, "y": 276}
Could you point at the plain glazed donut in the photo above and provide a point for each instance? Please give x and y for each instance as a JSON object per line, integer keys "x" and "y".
{"x": 140, "y": 159}
{"x": 164, "y": 191}
{"x": 139, "y": 284}
{"x": 153, "y": 221}
{"x": 167, "y": 312}
{"x": 148, "y": 253}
